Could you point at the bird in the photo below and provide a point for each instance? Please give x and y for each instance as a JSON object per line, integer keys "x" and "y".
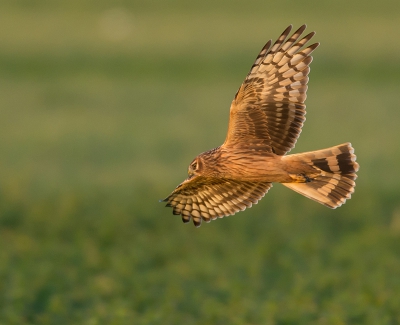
{"x": 266, "y": 118}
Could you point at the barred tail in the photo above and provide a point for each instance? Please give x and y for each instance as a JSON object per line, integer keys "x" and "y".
{"x": 337, "y": 169}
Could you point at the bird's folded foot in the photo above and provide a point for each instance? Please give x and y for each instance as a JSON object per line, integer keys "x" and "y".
{"x": 300, "y": 178}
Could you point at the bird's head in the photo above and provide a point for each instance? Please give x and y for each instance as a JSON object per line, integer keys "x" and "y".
{"x": 195, "y": 167}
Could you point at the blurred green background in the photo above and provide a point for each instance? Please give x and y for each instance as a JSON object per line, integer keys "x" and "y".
{"x": 103, "y": 106}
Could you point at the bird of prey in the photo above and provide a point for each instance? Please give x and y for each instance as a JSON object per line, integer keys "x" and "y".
{"x": 266, "y": 118}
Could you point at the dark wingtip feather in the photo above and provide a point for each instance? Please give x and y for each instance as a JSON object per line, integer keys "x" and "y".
{"x": 301, "y": 29}
{"x": 309, "y": 36}
{"x": 287, "y": 30}
{"x": 197, "y": 223}
{"x": 185, "y": 219}
{"x": 314, "y": 46}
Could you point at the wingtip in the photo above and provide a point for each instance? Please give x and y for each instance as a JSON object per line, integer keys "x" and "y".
{"x": 302, "y": 28}
{"x": 314, "y": 46}
{"x": 185, "y": 219}
{"x": 288, "y": 29}
{"x": 197, "y": 223}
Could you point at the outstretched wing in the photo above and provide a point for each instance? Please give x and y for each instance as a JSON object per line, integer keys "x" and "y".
{"x": 204, "y": 198}
{"x": 268, "y": 111}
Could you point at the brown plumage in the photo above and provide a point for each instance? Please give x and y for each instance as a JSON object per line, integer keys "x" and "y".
{"x": 266, "y": 118}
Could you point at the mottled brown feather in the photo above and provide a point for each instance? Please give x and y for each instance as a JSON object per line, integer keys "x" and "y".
{"x": 204, "y": 198}
{"x": 268, "y": 111}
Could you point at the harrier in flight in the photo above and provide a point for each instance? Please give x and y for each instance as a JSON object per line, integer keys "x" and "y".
{"x": 266, "y": 117}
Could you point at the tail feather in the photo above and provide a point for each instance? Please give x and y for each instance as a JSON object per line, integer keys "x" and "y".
{"x": 337, "y": 169}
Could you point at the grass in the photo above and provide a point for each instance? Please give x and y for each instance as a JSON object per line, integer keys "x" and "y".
{"x": 102, "y": 110}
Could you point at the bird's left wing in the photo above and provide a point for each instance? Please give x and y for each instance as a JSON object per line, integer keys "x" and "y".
{"x": 204, "y": 198}
{"x": 268, "y": 110}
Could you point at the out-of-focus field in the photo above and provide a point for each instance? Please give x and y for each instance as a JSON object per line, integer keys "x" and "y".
{"x": 103, "y": 106}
